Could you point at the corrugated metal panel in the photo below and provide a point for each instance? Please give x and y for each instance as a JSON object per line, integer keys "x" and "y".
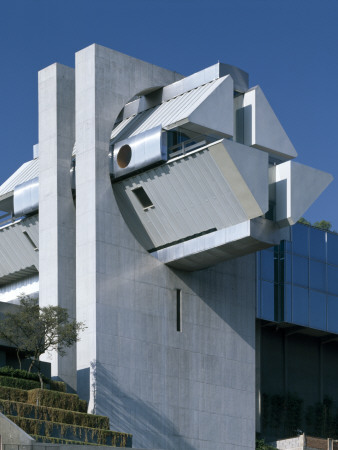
{"x": 167, "y": 113}
{"x": 26, "y": 172}
{"x": 17, "y": 254}
{"x": 190, "y": 195}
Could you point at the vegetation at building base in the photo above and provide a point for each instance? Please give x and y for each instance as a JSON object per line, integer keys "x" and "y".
{"x": 22, "y": 379}
{"x": 261, "y": 445}
{"x": 285, "y": 416}
{"x": 55, "y": 416}
{"x": 33, "y": 331}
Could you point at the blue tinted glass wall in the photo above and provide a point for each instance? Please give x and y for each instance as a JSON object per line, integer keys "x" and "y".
{"x": 297, "y": 281}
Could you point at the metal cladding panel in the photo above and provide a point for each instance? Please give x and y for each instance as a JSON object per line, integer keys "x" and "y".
{"x": 26, "y": 197}
{"x": 166, "y": 114}
{"x": 190, "y": 195}
{"x": 26, "y": 172}
{"x": 297, "y": 187}
{"x": 262, "y": 128}
{"x": 142, "y": 150}
{"x": 204, "y": 251}
{"x": 17, "y": 252}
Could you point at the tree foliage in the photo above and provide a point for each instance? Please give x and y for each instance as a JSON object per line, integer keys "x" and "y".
{"x": 33, "y": 330}
{"x": 304, "y": 221}
{"x": 323, "y": 224}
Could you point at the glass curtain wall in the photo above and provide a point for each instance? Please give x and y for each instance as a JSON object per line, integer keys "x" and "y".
{"x": 297, "y": 281}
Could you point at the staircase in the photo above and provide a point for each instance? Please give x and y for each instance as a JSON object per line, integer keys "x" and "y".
{"x": 56, "y": 417}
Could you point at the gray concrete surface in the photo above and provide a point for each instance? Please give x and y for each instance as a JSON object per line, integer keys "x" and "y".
{"x": 56, "y": 206}
{"x": 171, "y": 390}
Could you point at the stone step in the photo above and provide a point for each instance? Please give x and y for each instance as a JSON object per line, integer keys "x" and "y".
{"x": 12, "y": 408}
{"x": 72, "y": 432}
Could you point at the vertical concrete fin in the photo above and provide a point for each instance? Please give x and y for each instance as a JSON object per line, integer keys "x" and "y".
{"x": 56, "y": 206}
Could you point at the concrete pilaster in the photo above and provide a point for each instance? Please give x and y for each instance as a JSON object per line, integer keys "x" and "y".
{"x": 193, "y": 389}
{"x": 56, "y": 206}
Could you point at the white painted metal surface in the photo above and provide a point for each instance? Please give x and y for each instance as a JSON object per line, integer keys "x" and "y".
{"x": 177, "y": 111}
{"x": 27, "y": 171}
{"x": 210, "y": 188}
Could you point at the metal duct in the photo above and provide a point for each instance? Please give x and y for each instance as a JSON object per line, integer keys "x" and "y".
{"x": 26, "y": 197}
{"x": 137, "y": 152}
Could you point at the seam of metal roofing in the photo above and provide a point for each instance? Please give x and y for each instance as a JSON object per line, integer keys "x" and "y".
{"x": 165, "y": 114}
{"x": 26, "y": 172}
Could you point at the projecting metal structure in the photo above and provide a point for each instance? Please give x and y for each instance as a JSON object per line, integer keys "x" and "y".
{"x": 169, "y": 176}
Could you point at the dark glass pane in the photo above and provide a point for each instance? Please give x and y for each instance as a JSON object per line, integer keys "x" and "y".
{"x": 287, "y": 303}
{"x": 332, "y": 279}
{"x": 267, "y": 265}
{"x": 258, "y": 265}
{"x": 317, "y": 310}
{"x": 300, "y": 270}
{"x": 267, "y": 300}
{"x": 300, "y": 306}
{"x": 317, "y": 275}
{"x": 300, "y": 239}
{"x": 332, "y": 248}
{"x": 288, "y": 246}
{"x": 332, "y": 313}
{"x": 258, "y": 299}
{"x": 288, "y": 268}
{"x": 317, "y": 244}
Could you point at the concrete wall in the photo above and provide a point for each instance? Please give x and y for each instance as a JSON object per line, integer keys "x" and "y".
{"x": 190, "y": 389}
{"x": 56, "y": 207}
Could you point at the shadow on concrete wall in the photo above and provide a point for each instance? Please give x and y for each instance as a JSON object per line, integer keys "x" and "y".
{"x": 131, "y": 414}
{"x": 229, "y": 290}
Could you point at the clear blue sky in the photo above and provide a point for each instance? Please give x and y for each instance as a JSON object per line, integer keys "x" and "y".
{"x": 289, "y": 48}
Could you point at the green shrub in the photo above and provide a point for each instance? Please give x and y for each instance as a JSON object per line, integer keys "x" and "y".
{"x": 51, "y": 440}
{"x": 57, "y": 386}
{"x": 23, "y": 374}
{"x": 18, "y": 383}
{"x": 72, "y": 432}
{"x": 55, "y": 399}
{"x": 29, "y": 411}
{"x": 12, "y": 394}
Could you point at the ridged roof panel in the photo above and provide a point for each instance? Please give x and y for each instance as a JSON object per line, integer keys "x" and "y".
{"x": 26, "y": 172}
{"x": 165, "y": 114}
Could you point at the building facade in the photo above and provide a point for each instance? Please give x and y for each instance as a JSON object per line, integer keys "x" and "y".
{"x": 153, "y": 193}
{"x": 296, "y": 331}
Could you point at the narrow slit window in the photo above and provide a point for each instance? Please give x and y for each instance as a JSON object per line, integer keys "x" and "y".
{"x": 142, "y": 197}
{"x": 179, "y": 310}
{"x": 30, "y": 240}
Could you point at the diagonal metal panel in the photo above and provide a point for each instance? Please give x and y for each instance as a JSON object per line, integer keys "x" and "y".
{"x": 26, "y": 172}
{"x": 17, "y": 251}
{"x": 192, "y": 194}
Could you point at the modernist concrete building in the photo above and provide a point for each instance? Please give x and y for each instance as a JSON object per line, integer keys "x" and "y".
{"x": 141, "y": 212}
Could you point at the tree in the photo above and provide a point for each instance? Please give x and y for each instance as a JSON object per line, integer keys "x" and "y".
{"x": 323, "y": 224}
{"x": 33, "y": 331}
{"x": 304, "y": 221}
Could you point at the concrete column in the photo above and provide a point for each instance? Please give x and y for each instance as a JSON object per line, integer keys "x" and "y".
{"x": 105, "y": 81}
{"x": 193, "y": 389}
{"x": 56, "y": 206}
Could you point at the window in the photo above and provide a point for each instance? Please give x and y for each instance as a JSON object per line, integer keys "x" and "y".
{"x": 142, "y": 197}
{"x": 179, "y": 310}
